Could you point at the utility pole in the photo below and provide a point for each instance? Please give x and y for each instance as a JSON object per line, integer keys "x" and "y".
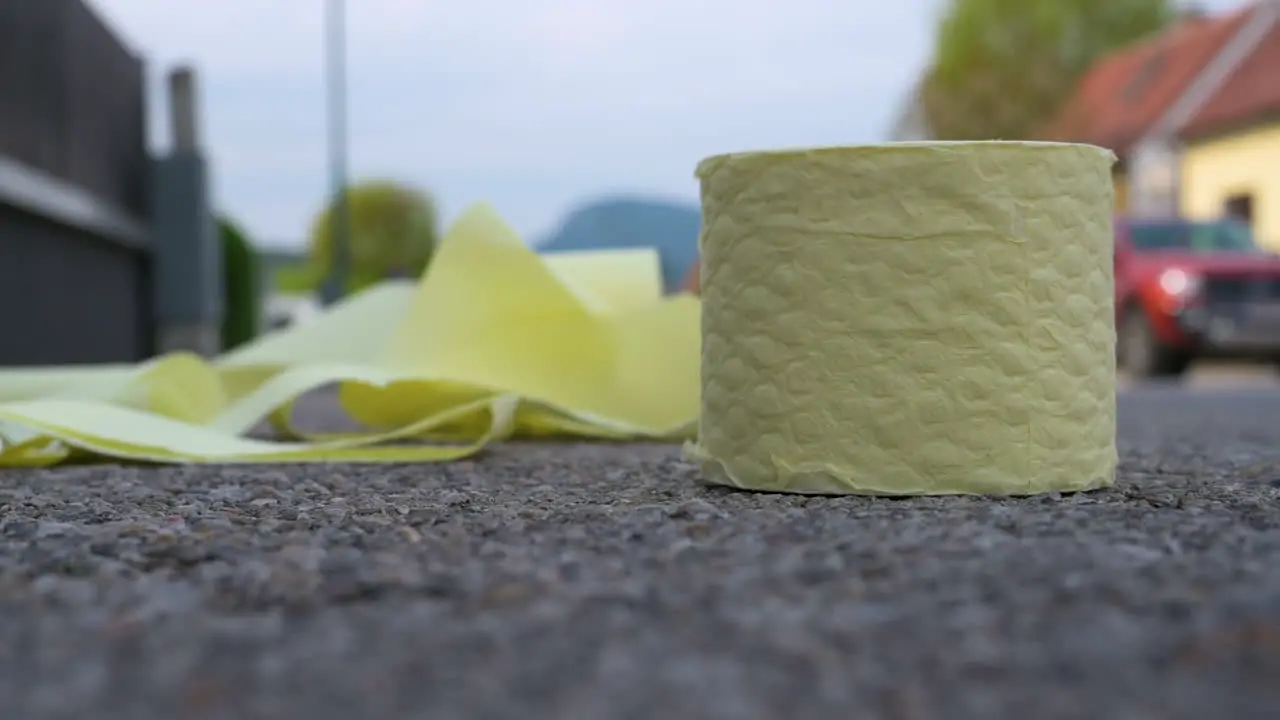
{"x": 335, "y": 283}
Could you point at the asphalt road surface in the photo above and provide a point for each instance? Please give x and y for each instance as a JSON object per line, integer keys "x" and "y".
{"x": 598, "y": 582}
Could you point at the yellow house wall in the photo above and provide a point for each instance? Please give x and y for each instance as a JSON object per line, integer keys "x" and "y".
{"x": 1245, "y": 162}
{"x": 1121, "y": 182}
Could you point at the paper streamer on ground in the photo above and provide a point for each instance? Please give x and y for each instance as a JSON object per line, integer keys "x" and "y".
{"x": 908, "y": 319}
{"x": 494, "y": 341}
{"x": 610, "y": 280}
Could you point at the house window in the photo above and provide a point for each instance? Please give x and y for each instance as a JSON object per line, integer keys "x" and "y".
{"x": 1239, "y": 207}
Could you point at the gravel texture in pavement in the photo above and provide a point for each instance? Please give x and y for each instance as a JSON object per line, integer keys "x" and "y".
{"x": 599, "y": 581}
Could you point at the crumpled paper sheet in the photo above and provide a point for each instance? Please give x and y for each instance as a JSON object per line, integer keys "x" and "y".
{"x": 908, "y": 319}
{"x": 494, "y": 341}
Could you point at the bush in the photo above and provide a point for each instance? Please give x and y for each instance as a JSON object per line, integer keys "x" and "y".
{"x": 242, "y": 273}
{"x": 393, "y": 234}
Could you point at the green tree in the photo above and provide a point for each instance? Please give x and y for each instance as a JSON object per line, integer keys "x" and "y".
{"x": 393, "y": 234}
{"x": 1002, "y": 68}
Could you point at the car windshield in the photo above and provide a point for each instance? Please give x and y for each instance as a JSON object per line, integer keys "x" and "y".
{"x": 1220, "y": 236}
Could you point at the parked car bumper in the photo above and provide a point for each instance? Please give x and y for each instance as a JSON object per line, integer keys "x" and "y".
{"x": 1235, "y": 330}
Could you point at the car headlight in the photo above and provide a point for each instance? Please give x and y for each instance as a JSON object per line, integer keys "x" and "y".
{"x": 1178, "y": 282}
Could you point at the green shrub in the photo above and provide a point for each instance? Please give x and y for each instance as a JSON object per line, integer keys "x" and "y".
{"x": 242, "y": 273}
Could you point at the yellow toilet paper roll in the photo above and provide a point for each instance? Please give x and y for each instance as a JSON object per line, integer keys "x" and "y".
{"x": 908, "y": 319}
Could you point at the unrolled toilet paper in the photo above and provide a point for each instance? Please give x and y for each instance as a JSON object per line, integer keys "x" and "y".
{"x": 908, "y": 319}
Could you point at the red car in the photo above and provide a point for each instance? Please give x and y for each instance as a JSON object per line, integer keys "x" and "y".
{"x": 1187, "y": 290}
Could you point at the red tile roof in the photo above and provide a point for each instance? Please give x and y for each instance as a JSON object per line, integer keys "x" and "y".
{"x": 1251, "y": 93}
{"x": 1126, "y": 92}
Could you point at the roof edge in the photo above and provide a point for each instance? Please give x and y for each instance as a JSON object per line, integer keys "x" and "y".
{"x": 1216, "y": 73}
{"x": 1254, "y": 120}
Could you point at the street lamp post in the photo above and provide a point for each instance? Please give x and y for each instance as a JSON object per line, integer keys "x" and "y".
{"x": 336, "y": 91}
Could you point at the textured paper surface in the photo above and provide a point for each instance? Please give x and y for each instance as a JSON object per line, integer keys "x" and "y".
{"x": 908, "y": 319}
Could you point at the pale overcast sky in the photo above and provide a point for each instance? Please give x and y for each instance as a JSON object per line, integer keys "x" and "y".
{"x": 532, "y": 105}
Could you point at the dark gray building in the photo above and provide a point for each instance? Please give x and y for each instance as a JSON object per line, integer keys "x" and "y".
{"x": 107, "y": 254}
{"x": 74, "y": 260}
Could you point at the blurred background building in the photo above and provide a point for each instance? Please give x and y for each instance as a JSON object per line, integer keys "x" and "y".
{"x": 75, "y": 248}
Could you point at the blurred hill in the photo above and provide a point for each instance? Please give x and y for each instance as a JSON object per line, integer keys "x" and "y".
{"x": 621, "y": 222}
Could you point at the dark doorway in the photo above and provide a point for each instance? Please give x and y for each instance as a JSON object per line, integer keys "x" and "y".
{"x": 1239, "y": 207}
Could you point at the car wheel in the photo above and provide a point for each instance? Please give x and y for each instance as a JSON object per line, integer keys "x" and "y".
{"x": 1141, "y": 354}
